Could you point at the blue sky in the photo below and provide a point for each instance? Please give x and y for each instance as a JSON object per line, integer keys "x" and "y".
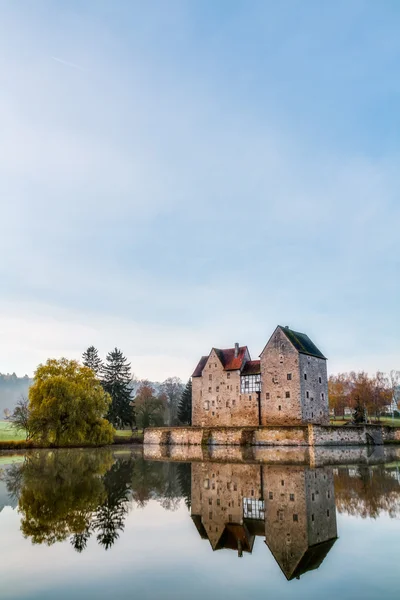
{"x": 180, "y": 175}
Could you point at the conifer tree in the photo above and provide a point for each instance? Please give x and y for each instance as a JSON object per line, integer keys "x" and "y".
{"x": 116, "y": 380}
{"x": 91, "y": 359}
{"x": 185, "y": 405}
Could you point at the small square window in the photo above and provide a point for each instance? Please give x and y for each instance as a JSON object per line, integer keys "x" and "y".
{"x": 289, "y": 376}
{"x": 287, "y": 394}
{"x": 295, "y": 518}
{"x": 267, "y": 396}
{"x": 291, "y": 497}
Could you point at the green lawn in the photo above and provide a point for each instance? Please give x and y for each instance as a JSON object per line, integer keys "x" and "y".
{"x": 9, "y": 433}
{"x": 384, "y": 421}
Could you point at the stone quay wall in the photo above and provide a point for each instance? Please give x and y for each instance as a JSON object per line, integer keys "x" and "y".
{"x": 301, "y": 435}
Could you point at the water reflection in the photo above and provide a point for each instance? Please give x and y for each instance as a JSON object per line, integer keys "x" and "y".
{"x": 292, "y": 507}
{"x": 75, "y": 496}
{"x": 69, "y": 494}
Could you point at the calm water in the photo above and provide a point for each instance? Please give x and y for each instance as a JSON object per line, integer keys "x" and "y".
{"x": 110, "y": 524}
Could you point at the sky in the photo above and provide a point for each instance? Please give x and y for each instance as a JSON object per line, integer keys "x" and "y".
{"x": 181, "y": 175}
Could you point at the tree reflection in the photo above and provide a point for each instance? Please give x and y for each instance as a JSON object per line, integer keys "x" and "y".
{"x": 368, "y": 491}
{"x": 70, "y": 494}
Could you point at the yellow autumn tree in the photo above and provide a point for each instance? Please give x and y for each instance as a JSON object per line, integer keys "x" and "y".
{"x": 67, "y": 405}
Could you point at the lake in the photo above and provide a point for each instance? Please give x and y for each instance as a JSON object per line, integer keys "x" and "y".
{"x": 218, "y": 523}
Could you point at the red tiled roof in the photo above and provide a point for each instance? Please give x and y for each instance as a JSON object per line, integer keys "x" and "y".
{"x": 199, "y": 369}
{"x": 252, "y": 367}
{"x": 227, "y": 357}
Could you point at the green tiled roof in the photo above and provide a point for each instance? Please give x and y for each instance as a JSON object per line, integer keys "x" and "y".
{"x": 302, "y": 343}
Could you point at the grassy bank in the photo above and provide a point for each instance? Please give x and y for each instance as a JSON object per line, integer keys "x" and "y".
{"x": 383, "y": 421}
{"x": 15, "y": 439}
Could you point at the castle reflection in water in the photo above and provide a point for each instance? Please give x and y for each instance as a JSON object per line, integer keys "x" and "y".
{"x": 292, "y": 507}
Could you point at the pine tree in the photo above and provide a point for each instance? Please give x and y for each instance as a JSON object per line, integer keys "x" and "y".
{"x": 116, "y": 381}
{"x": 358, "y": 413}
{"x": 91, "y": 359}
{"x": 185, "y": 405}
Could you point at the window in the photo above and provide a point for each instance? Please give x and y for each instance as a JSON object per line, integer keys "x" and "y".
{"x": 305, "y": 376}
{"x": 327, "y": 513}
{"x": 217, "y": 388}
{"x": 271, "y": 496}
{"x": 307, "y": 394}
{"x": 312, "y": 415}
{"x": 313, "y": 497}
{"x": 287, "y": 394}
{"x": 209, "y": 389}
{"x": 320, "y": 379}
{"x": 229, "y": 375}
{"x": 234, "y": 487}
{"x": 295, "y": 518}
{"x": 227, "y": 404}
{"x": 250, "y": 383}
{"x": 282, "y": 482}
{"x": 218, "y": 501}
{"x": 280, "y": 515}
{"x": 213, "y": 403}
{"x": 206, "y": 484}
{"x": 249, "y": 397}
{"x": 289, "y": 377}
{"x": 206, "y": 405}
{"x": 281, "y": 358}
{"x": 213, "y": 413}
{"x": 267, "y": 396}
{"x": 312, "y": 518}
{"x": 210, "y": 377}
{"x": 210, "y": 501}
{"x": 291, "y": 497}
{"x": 322, "y": 395}
{"x": 312, "y": 399}
{"x": 233, "y": 402}
{"x": 279, "y": 407}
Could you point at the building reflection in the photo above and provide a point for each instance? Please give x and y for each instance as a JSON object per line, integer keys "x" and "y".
{"x": 292, "y": 507}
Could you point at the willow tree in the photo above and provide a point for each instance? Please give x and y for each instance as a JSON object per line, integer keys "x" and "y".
{"x": 67, "y": 405}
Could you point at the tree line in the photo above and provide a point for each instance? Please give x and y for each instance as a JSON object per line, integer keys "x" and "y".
{"x": 366, "y": 396}
{"x": 80, "y": 404}
{"x": 171, "y": 404}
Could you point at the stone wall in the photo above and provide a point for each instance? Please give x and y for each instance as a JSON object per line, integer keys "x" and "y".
{"x": 305, "y": 435}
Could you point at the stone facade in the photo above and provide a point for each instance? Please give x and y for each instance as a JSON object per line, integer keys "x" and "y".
{"x": 216, "y": 397}
{"x": 287, "y": 386}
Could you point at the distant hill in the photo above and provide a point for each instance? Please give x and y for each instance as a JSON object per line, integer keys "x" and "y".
{"x": 11, "y": 390}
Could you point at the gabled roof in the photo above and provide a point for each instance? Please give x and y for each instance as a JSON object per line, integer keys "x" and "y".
{"x": 251, "y": 367}
{"x": 311, "y": 559}
{"x": 228, "y": 359}
{"x": 199, "y": 369}
{"x": 302, "y": 342}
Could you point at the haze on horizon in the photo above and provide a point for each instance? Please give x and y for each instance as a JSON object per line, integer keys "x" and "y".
{"x": 181, "y": 175}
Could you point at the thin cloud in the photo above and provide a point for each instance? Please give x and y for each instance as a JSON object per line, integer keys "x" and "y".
{"x": 67, "y": 64}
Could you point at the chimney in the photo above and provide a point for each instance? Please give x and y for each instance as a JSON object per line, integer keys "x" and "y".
{"x": 236, "y": 349}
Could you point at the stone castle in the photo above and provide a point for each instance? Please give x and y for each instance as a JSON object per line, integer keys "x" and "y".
{"x": 288, "y": 385}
